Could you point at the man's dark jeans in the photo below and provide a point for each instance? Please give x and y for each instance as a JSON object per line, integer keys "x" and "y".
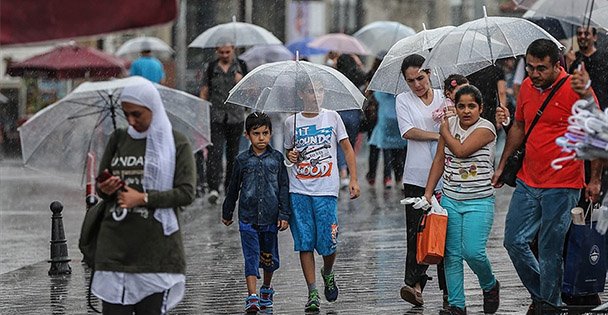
{"x": 225, "y": 137}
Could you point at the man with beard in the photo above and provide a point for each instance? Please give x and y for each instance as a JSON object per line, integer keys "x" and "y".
{"x": 595, "y": 62}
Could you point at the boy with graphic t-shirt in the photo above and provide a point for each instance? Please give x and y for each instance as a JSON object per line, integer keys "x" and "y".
{"x": 314, "y": 184}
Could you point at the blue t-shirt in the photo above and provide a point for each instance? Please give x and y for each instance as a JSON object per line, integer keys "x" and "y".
{"x": 149, "y": 68}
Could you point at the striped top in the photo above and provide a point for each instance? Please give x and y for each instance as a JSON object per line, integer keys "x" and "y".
{"x": 470, "y": 177}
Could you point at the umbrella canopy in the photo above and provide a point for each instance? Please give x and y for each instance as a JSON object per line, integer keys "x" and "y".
{"x": 238, "y": 33}
{"x": 70, "y": 62}
{"x": 58, "y": 138}
{"x": 558, "y": 29}
{"x": 301, "y": 47}
{"x": 259, "y": 55}
{"x": 477, "y": 44}
{"x": 577, "y": 12}
{"x": 341, "y": 43}
{"x": 274, "y": 87}
{"x": 137, "y": 45}
{"x": 381, "y": 35}
{"x": 388, "y": 77}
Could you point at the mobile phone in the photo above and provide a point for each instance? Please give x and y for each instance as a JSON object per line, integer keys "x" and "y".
{"x": 105, "y": 175}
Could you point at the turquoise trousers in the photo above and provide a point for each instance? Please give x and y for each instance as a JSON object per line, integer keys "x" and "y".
{"x": 469, "y": 225}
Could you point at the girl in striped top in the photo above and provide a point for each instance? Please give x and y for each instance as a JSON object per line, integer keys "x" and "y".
{"x": 466, "y": 165}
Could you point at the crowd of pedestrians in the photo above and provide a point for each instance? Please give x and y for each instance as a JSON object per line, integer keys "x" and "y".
{"x": 436, "y": 143}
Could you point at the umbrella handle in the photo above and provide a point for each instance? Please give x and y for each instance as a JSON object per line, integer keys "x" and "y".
{"x": 288, "y": 163}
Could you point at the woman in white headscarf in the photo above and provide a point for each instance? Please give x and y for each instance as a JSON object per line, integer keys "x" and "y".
{"x": 140, "y": 261}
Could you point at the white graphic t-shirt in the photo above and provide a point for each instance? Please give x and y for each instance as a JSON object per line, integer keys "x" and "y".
{"x": 317, "y": 138}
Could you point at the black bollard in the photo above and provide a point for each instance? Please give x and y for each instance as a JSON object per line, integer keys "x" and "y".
{"x": 59, "y": 247}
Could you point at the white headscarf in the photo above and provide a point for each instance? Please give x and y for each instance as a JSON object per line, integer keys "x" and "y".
{"x": 159, "y": 166}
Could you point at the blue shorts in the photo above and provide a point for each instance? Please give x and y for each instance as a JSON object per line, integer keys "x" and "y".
{"x": 260, "y": 248}
{"x": 314, "y": 223}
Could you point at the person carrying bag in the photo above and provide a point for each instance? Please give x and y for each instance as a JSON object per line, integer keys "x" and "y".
{"x": 516, "y": 160}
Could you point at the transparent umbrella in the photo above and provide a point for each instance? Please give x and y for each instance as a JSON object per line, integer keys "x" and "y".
{"x": 381, "y": 35}
{"x": 274, "y": 87}
{"x": 477, "y": 44}
{"x": 341, "y": 43}
{"x": 238, "y": 33}
{"x": 388, "y": 77}
{"x": 577, "y": 12}
{"x": 135, "y": 46}
{"x": 58, "y": 138}
{"x": 262, "y": 54}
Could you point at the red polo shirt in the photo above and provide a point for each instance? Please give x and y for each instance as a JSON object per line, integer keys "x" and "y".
{"x": 541, "y": 149}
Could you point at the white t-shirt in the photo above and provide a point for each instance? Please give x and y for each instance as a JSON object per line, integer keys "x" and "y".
{"x": 413, "y": 113}
{"x": 317, "y": 139}
{"x": 469, "y": 177}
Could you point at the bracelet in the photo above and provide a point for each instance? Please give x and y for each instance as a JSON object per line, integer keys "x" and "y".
{"x": 145, "y": 198}
{"x": 588, "y": 85}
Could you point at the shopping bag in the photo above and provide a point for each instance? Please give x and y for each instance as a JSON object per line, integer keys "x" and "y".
{"x": 585, "y": 265}
{"x": 430, "y": 240}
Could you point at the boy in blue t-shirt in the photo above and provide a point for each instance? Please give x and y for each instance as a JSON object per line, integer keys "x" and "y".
{"x": 260, "y": 182}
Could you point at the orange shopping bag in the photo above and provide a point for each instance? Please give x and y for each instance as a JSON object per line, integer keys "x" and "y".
{"x": 431, "y": 238}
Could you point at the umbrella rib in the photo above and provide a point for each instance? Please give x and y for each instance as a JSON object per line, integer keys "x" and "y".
{"x": 95, "y": 104}
{"x": 87, "y": 114}
{"x": 506, "y": 39}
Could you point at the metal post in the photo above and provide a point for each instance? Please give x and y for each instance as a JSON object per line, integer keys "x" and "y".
{"x": 59, "y": 248}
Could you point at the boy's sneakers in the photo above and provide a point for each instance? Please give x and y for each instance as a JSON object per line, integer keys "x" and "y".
{"x": 214, "y": 195}
{"x": 266, "y": 295}
{"x": 331, "y": 288}
{"x": 252, "y": 304}
{"x": 313, "y": 303}
{"x": 491, "y": 299}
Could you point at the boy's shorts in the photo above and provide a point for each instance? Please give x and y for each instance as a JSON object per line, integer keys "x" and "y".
{"x": 314, "y": 223}
{"x": 260, "y": 248}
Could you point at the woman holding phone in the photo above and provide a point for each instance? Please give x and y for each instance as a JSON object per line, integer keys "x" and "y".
{"x": 147, "y": 172}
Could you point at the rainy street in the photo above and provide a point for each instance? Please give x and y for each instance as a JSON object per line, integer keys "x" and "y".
{"x": 369, "y": 267}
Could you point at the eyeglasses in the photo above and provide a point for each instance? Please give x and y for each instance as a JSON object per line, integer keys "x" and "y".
{"x": 540, "y": 68}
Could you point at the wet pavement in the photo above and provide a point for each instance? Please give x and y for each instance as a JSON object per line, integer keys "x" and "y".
{"x": 369, "y": 267}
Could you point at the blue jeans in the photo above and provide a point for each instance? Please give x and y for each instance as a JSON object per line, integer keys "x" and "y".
{"x": 546, "y": 213}
{"x": 469, "y": 225}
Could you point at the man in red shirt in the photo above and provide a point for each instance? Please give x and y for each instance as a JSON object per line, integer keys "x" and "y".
{"x": 543, "y": 196}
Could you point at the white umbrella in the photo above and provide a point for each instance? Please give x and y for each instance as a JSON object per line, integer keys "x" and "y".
{"x": 58, "y": 138}
{"x": 477, "y": 44}
{"x": 577, "y": 12}
{"x": 237, "y": 33}
{"x": 262, "y": 54}
{"x": 137, "y": 45}
{"x": 381, "y": 35}
{"x": 274, "y": 87}
{"x": 388, "y": 77}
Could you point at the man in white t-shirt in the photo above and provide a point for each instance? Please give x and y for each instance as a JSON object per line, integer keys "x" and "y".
{"x": 414, "y": 114}
{"x": 314, "y": 184}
